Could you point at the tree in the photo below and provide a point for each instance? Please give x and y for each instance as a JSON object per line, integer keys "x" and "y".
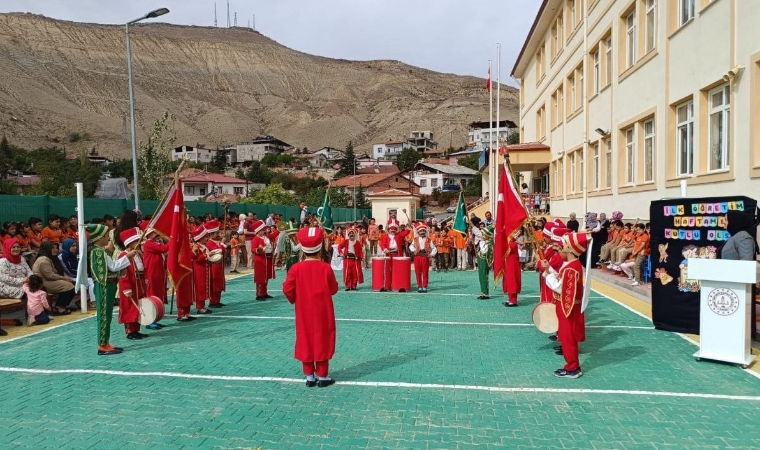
{"x": 154, "y": 162}
{"x": 218, "y": 162}
{"x": 513, "y": 138}
{"x": 348, "y": 164}
{"x": 470, "y": 161}
{"x": 121, "y": 168}
{"x": 258, "y": 173}
{"x": 6, "y": 157}
{"x": 240, "y": 173}
{"x": 274, "y": 194}
{"x": 407, "y": 159}
{"x": 58, "y": 175}
{"x": 361, "y": 198}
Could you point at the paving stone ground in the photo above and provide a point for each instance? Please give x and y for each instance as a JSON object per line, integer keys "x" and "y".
{"x": 440, "y": 370}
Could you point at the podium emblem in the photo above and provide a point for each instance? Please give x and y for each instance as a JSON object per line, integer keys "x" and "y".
{"x": 723, "y": 301}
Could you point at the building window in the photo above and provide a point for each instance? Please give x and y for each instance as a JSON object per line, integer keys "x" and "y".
{"x": 562, "y": 176}
{"x": 630, "y": 45}
{"x": 555, "y": 109}
{"x": 582, "y": 171}
{"x": 595, "y": 176}
{"x": 571, "y": 100}
{"x": 651, "y": 25}
{"x": 556, "y": 177}
{"x": 608, "y": 162}
{"x": 237, "y": 190}
{"x": 540, "y": 63}
{"x": 434, "y": 182}
{"x": 423, "y": 183}
{"x": 579, "y": 102}
{"x": 573, "y": 18}
{"x": 649, "y": 150}
{"x": 189, "y": 190}
{"x": 630, "y": 155}
{"x": 685, "y": 138}
{"x": 541, "y": 122}
{"x": 685, "y": 11}
{"x": 597, "y": 72}
{"x": 572, "y": 172}
{"x": 608, "y": 59}
{"x": 202, "y": 191}
{"x": 720, "y": 114}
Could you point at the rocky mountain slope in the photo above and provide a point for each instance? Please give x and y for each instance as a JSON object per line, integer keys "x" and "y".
{"x": 223, "y": 85}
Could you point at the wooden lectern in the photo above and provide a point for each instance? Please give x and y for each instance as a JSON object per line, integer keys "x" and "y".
{"x": 725, "y": 308}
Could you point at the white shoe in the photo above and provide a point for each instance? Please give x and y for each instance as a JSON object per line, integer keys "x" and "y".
{"x": 635, "y": 283}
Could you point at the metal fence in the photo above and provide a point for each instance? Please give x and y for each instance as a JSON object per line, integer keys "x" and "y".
{"x": 19, "y": 208}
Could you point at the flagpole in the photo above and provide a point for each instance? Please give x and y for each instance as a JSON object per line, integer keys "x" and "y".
{"x": 498, "y": 109}
{"x": 491, "y": 158}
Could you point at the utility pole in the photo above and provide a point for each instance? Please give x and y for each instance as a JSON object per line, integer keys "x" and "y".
{"x": 254, "y": 22}
{"x": 235, "y": 18}
{"x": 228, "y": 13}
{"x": 214, "y": 14}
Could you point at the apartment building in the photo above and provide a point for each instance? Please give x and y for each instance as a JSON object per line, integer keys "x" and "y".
{"x": 634, "y": 96}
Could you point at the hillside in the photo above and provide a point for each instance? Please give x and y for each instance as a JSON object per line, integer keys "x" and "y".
{"x": 223, "y": 85}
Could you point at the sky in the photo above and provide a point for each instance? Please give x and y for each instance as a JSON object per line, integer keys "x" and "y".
{"x": 452, "y": 36}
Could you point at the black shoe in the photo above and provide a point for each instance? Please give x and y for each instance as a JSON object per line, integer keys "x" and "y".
{"x": 133, "y": 336}
{"x": 260, "y": 299}
{"x": 553, "y": 337}
{"x": 558, "y": 351}
{"x": 348, "y": 289}
{"x": 311, "y": 383}
{"x": 3, "y": 332}
{"x": 559, "y": 347}
{"x": 185, "y": 319}
{"x": 113, "y": 351}
{"x": 203, "y": 311}
{"x": 268, "y": 296}
{"x": 483, "y": 297}
{"x": 221, "y": 304}
{"x": 143, "y": 335}
{"x": 509, "y": 305}
{"x": 562, "y": 373}
{"x": 118, "y": 349}
{"x": 215, "y": 306}
{"x": 325, "y": 383}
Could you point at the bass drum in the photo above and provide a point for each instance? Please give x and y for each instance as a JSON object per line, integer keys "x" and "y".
{"x": 545, "y": 317}
{"x": 151, "y": 309}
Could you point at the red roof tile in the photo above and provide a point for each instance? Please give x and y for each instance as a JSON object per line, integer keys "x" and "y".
{"x": 216, "y": 178}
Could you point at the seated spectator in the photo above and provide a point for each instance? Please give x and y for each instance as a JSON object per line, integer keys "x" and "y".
{"x": 71, "y": 230}
{"x": 35, "y": 234}
{"x": 8, "y": 231}
{"x": 573, "y": 223}
{"x": 633, "y": 266}
{"x": 49, "y": 267}
{"x": 14, "y": 271}
{"x": 53, "y": 232}
{"x": 37, "y": 306}
{"x": 109, "y": 221}
{"x": 69, "y": 257}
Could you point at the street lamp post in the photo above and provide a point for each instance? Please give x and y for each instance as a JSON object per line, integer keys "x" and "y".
{"x": 150, "y": 15}
{"x": 354, "y": 202}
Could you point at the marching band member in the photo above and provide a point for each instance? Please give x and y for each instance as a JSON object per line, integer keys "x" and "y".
{"x": 511, "y": 282}
{"x": 153, "y": 253}
{"x": 309, "y": 286}
{"x": 392, "y": 221}
{"x": 351, "y": 251}
{"x": 262, "y": 247}
{"x": 201, "y": 272}
{"x": 484, "y": 253}
{"x": 132, "y": 286}
{"x": 392, "y": 244}
{"x": 215, "y": 244}
{"x": 291, "y": 247}
{"x": 423, "y": 249}
{"x": 105, "y": 272}
{"x": 567, "y": 285}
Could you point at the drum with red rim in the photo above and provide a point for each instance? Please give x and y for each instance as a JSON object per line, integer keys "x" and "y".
{"x": 151, "y": 309}
{"x": 381, "y": 273}
{"x": 401, "y": 274}
{"x": 545, "y": 317}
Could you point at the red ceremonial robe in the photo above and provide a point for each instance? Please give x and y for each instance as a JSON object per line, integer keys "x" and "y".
{"x": 512, "y": 279}
{"x": 572, "y": 322}
{"x": 218, "y": 282}
{"x": 132, "y": 283}
{"x": 155, "y": 269}
{"x": 399, "y": 237}
{"x": 200, "y": 276}
{"x": 353, "y": 255}
{"x": 310, "y": 285}
{"x": 263, "y": 265}
{"x": 555, "y": 262}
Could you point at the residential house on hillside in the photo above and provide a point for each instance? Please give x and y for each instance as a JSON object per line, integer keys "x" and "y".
{"x": 421, "y": 140}
{"x": 311, "y": 159}
{"x": 199, "y": 153}
{"x": 432, "y": 176}
{"x": 479, "y": 135}
{"x": 388, "y": 150}
{"x": 255, "y": 150}
{"x": 455, "y": 157}
{"x": 200, "y": 184}
{"x": 330, "y": 153}
{"x": 369, "y": 165}
{"x": 376, "y": 182}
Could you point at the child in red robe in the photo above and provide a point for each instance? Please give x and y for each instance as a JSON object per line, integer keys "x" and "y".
{"x": 352, "y": 252}
{"x": 216, "y": 246}
{"x": 262, "y": 247}
{"x": 201, "y": 271}
{"x": 309, "y": 286}
{"x": 423, "y": 249}
{"x": 155, "y": 266}
{"x": 131, "y": 286}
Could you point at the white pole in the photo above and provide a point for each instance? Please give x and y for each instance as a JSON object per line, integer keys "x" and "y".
{"x": 498, "y": 109}
{"x": 584, "y": 90}
{"x": 491, "y": 163}
{"x": 132, "y": 119}
{"x": 82, "y": 269}
{"x": 683, "y": 189}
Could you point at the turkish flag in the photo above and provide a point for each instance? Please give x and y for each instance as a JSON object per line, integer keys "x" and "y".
{"x": 510, "y": 215}
{"x": 170, "y": 221}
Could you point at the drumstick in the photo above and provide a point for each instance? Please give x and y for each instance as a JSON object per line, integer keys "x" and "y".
{"x": 171, "y": 305}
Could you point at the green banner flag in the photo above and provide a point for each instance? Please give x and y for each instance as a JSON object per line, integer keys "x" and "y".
{"x": 460, "y": 219}
{"x": 324, "y": 213}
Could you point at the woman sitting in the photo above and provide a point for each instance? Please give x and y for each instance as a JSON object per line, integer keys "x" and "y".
{"x": 49, "y": 267}
{"x": 69, "y": 257}
{"x": 14, "y": 272}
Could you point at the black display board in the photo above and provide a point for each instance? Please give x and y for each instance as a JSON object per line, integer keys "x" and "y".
{"x": 685, "y": 228}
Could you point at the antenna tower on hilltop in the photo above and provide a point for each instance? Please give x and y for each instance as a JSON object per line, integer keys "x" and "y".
{"x": 254, "y": 22}
{"x": 228, "y": 13}
{"x": 215, "y": 15}
{"x": 235, "y": 18}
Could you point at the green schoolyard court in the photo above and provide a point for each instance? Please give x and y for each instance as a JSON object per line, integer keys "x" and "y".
{"x": 438, "y": 370}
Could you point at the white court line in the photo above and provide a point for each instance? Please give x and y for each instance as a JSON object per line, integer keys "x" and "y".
{"x": 45, "y": 330}
{"x": 425, "y": 322}
{"x": 459, "y": 387}
{"x": 432, "y": 294}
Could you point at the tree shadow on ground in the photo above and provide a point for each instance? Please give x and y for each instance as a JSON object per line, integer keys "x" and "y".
{"x": 376, "y": 365}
